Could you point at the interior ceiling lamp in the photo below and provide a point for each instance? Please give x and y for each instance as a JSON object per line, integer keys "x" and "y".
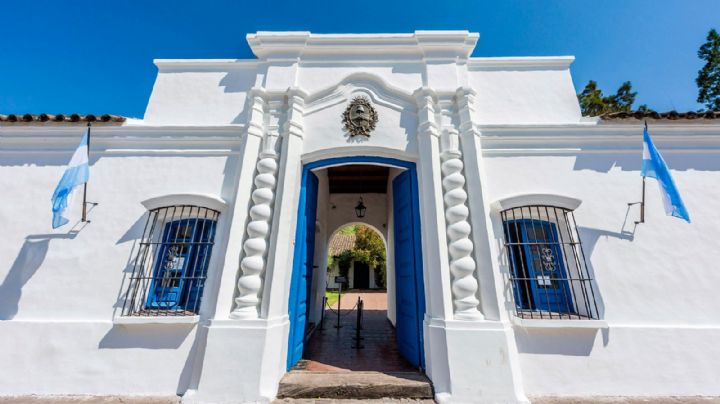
{"x": 360, "y": 208}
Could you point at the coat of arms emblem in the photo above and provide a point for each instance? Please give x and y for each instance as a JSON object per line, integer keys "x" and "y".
{"x": 360, "y": 117}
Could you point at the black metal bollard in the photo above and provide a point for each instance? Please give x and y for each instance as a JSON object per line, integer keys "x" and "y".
{"x": 358, "y": 326}
{"x": 338, "y": 326}
{"x": 322, "y": 314}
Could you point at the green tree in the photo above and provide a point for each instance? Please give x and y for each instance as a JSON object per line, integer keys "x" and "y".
{"x": 594, "y": 103}
{"x": 623, "y": 99}
{"x": 369, "y": 249}
{"x": 708, "y": 79}
{"x": 644, "y": 108}
{"x": 591, "y": 99}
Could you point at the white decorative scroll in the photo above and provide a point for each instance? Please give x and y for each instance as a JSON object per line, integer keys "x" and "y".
{"x": 460, "y": 247}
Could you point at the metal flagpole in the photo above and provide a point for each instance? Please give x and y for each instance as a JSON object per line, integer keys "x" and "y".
{"x": 642, "y": 201}
{"x": 84, "y": 202}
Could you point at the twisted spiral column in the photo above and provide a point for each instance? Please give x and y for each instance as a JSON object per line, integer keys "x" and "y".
{"x": 460, "y": 247}
{"x": 255, "y": 247}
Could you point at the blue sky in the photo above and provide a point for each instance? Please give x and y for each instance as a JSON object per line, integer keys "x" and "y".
{"x": 96, "y": 57}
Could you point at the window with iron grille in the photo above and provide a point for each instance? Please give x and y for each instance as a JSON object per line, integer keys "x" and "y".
{"x": 171, "y": 263}
{"x": 548, "y": 272}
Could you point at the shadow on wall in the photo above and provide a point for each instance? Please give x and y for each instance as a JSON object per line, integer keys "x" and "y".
{"x": 151, "y": 336}
{"x": 570, "y": 342}
{"x": 589, "y": 238}
{"x": 39, "y": 160}
{"x": 132, "y": 234}
{"x": 632, "y": 162}
{"x": 237, "y": 82}
{"x": 146, "y": 336}
{"x": 193, "y": 363}
{"x": 31, "y": 256}
{"x": 576, "y": 342}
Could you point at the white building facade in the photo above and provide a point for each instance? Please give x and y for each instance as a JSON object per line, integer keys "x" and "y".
{"x": 515, "y": 266}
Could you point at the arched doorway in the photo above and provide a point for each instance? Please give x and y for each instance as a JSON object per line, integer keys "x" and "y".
{"x": 404, "y": 247}
{"x": 356, "y": 253}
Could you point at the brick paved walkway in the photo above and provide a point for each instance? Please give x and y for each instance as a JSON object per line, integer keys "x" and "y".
{"x": 330, "y": 350}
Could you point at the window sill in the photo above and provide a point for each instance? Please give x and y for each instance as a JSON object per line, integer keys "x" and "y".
{"x": 139, "y": 320}
{"x": 546, "y": 323}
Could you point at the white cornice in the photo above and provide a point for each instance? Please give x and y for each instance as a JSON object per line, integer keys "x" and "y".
{"x": 503, "y": 140}
{"x": 134, "y": 128}
{"x": 558, "y": 62}
{"x": 120, "y": 140}
{"x": 168, "y": 64}
{"x": 427, "y": 45}
{"x": 595, "y": 129}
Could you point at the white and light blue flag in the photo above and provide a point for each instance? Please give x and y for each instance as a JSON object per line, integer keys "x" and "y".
{"x": 76, "y": 173}
{"x": 654, "y": 166}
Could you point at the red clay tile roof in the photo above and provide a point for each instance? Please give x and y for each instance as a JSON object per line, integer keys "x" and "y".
{"x": 341, "y": 243}
{"x": 28, "y": 118}
{"x": 671, "y": 115}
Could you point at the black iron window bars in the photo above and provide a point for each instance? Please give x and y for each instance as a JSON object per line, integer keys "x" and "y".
{"x": 170, "y": 267}
{"x": 548, "y": 269}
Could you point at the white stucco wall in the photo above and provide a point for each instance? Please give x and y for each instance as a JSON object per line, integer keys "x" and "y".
{"x": 341, "y": 211}
{"x": 191, "y": 94}
{"x": 60, "y": 289}
{"x": 524, "y": 90}
{"x": 655, "y": 281}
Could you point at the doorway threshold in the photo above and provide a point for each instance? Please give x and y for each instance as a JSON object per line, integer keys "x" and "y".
{"x": 299, "y": 384}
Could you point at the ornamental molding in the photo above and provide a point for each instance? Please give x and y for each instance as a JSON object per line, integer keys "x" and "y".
{"x": 202, "y": 200}
{"x": 379, "y": 91}
{"x": 428, "y": 45}
{"x": 360, "y": 117}
{"x": 517, "y": 201}
{"x": 460, "y": 246}
{"x": 527, "y": 62}
{"x": 256, "y": 245}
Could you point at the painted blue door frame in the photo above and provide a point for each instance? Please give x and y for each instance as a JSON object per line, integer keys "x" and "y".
{"x": 302, "y": 267}
{"x": 408, "y": 283}
{"x": 409, "y": 289}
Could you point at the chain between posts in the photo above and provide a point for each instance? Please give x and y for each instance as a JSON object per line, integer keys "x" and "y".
{"x": 359, "y": 305}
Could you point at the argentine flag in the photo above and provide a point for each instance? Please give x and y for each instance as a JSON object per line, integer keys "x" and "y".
{"x": 76, "y": 173}
{"x": 654, "y": 166}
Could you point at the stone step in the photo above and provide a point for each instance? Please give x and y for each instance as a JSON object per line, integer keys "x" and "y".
{"x": 353, "y": 401}
{"x": 355, "y": 385}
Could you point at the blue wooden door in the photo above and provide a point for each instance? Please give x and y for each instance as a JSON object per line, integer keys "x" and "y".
{"x": 542, "y": 251}
{"x": 538, "y": 262}
{"x": 173, "y": 259}
{"x": 409, "y": 290}
{"x": 197, "y": 271}
{"x": 302, "y": 267}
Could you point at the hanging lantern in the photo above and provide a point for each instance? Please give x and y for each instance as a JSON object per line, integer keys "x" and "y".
{"x": 360, "y": 208}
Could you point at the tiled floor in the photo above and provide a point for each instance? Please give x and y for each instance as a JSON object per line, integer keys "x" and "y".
{"x": 331, "y": 349}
